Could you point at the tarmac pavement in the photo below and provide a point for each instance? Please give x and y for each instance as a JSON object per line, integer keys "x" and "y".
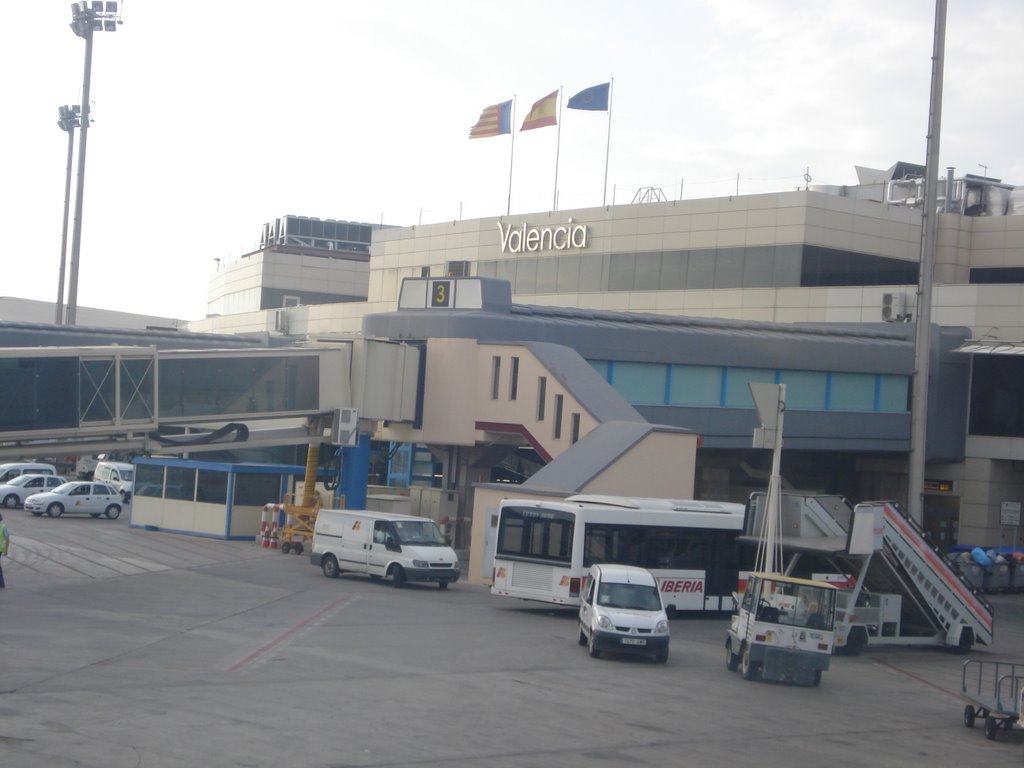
{"x": 124, "y": 647}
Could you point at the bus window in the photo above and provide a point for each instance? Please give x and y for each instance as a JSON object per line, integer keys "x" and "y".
{"x": 535, "y": 535}
{"x": 645, "y": 546}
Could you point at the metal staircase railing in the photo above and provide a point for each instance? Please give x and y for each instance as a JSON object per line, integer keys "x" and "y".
{"x": 947, "y": 594}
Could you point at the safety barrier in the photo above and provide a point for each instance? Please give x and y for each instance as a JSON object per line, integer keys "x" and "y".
{"x": 268, "y": 535}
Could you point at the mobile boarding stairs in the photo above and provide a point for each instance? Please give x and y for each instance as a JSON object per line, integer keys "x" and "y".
{"x": 897, "y": 589}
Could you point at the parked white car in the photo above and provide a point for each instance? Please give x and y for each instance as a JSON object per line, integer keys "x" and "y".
{"x": 78, "y": 497}
{"x": 14, "y": 492}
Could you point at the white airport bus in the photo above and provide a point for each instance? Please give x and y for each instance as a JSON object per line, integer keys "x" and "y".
{"x": 544, "y": 549}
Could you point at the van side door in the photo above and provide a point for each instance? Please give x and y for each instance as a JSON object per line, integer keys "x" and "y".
{"x": 587, "y": 604}
{"x": 379, "y": 554}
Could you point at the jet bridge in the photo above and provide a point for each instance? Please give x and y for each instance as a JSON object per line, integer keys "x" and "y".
{"x": 85, "y": 400}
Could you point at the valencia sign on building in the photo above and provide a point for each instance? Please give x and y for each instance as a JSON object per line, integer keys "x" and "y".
{"x": 527, "y": 239}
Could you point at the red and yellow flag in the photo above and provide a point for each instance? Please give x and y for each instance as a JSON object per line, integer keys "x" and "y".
{"x": 494, "y": 121}
{"x": 543, "y": 113}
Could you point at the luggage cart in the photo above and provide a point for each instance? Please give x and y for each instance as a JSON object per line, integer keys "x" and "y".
{"x": 996, "y": 689}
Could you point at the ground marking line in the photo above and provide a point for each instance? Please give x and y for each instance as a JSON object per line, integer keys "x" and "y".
{"x": 289, "y": 633}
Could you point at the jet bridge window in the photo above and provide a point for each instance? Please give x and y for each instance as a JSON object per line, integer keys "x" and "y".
{"x": 238, "y": 385}
{"x": 38, "y": 393}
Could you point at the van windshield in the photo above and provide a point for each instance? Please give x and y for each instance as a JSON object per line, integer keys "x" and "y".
{"x": 637, "y": 597}
{"x": 422, "y": 532}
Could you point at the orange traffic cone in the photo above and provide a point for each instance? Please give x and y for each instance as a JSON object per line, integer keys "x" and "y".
{"x": 263, "y": 537}
{"x": 273, "y": 536}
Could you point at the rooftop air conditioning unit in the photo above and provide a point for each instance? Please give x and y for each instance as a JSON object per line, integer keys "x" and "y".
{"x": 281, "y": 321}
{"x": 457, "y": 269}
{"x": 894, "y": 307}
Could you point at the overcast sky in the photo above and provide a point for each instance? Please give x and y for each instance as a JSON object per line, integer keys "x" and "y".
{"x": 213, "y": 118}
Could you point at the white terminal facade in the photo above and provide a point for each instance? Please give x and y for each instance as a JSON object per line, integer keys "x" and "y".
{"x": 761, "y": 271}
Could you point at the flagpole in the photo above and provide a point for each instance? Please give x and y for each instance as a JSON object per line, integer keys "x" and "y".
{"x": 604, "y": 198}
{"x": 511, "y": 154}
{"x": 558, "y": 146}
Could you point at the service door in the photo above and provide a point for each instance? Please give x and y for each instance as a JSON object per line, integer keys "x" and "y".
{"x": 379, "y": 554}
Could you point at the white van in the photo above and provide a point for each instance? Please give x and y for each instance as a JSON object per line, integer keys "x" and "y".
{"x": 382, "y": 544}
{"x": 622, "y": 612}
{"x": 117, "y": 474}
{"x": 8, "y": 471}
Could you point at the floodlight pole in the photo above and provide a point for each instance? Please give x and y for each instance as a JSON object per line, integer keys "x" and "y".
{"x": 83, "y": 28}
{"x": 86, "y": 18}
{"x": 922, "y": 347}
{"x": 68, "y": 122}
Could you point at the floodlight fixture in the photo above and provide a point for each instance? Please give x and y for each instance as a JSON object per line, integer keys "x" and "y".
{"x": 94, "y": 16}
{"x": 87, "y": 16}
{"x": 69, "y": 117}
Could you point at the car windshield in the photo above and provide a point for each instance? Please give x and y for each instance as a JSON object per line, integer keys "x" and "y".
{"x": 423, "y": 532}
{"x": 638, "y": 597}
{"x": 65, "y": 489}
{"x": 126, "y": 474}
{"x": 20, "y": 480}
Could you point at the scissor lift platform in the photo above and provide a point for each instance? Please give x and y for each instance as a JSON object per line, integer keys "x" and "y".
{"x": 298, "y": 527}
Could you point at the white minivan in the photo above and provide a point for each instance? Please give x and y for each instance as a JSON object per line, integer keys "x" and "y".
{"x": 403, "y": 548}
{"x": 12, "y": 470}
{"x": 622, "y": 612}
{"x": 118, "y": 474}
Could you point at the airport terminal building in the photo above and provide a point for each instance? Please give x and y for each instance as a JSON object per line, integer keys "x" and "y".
{"x": 673, "y": 307}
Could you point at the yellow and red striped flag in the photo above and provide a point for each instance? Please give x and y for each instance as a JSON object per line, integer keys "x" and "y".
{"x": 494, "y": 121}
{"x": 543, "y": 113}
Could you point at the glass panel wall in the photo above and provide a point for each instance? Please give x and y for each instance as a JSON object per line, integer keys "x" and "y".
{"x": 761, "y": 266}
{"x": 714, "y": 387}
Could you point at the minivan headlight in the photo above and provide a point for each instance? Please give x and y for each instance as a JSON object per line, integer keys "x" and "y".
{"x": 604, "y": 622}
{"x": 661, "y": 628}
{"x": 420, "y": 564}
